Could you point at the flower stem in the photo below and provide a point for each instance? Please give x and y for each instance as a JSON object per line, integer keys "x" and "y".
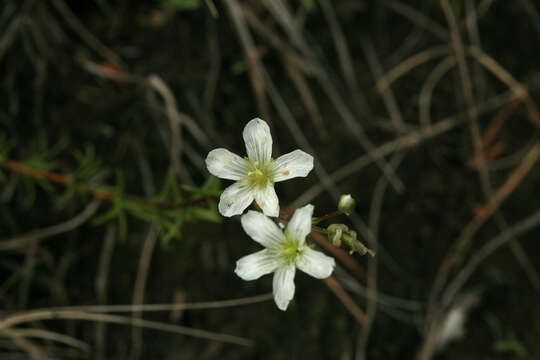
{"x": 317, "y": 220}
{"x": 320, "y": 230}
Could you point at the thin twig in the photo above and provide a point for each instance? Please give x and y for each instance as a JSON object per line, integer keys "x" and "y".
{"x": 372, "y": 271}
{"x": 23, "y": 241}
{"x": 84, "y": 33}
{"x": 344, "y": 56}
{"x": 508, "y": 187}
{"x": 101, "y": 286}
{"x": 410, "y": 63}
{"x": 511, "y": 233}
{"x": 140, "y": 285}
{"x": 10, "y": 321}
{"x": 502, "y": 74}
{"x": 203, "y": 305}
{"x": 387, "y": 95}
{"x": 250, "y": 55}
{"x": 403, "y": 142}
{"x": 174, "y": 121}
{"x": 307, "y": 97}
{"x": 424, "y": 100}
{"x": 283, "y": 15}
{"x": 53, "y": 336}
{"x": 418, "y": 18}
{"x": 346, "y": 300}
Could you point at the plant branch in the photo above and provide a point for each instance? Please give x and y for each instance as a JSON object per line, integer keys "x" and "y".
{"x": 100, "y": 193}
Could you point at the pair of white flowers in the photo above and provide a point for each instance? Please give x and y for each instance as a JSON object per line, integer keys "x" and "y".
{"x": 255, "y": 176}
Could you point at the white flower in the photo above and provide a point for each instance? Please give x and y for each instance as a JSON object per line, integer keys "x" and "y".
{"x": 285, "y": 251}
{"x": 255, "y": 174}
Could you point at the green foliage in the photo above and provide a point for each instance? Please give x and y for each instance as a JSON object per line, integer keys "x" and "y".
{"x": 239, "y": 67}
{"x": 173, "y": 6}
{"x": 174, "y": 206}
{"x": 506, "y": 340}
{"x": 511, "y": 345}
{"x": 87, "y": 164}
{"x": 41, "y": 156}
{"x": 309, "y": 5}
{"x": 212, "y": 187}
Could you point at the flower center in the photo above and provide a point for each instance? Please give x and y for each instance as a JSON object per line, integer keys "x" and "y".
{"x": 259, "y": 175}
{"x": 290, "y": 248}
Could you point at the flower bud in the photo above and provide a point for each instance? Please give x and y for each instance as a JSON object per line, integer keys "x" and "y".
{"x": 335, "y": 232}
{"x": 346, "y": 204}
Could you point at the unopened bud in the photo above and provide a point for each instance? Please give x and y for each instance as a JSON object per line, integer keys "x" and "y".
{"x": 346, "y": 204}
{"x": 335, "y": 232}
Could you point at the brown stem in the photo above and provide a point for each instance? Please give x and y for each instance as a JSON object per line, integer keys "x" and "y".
{"x": 347, "y": 301}
{"x": 99, "y": 193}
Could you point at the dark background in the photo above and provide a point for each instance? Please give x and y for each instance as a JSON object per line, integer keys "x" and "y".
{"x": 77, "y": 98}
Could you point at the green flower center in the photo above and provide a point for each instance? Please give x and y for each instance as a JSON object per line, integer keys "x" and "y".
{"x": 259, "y": 175}
{"x": 290, "y": 248}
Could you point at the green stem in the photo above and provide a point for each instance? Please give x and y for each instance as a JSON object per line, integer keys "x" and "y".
{"x": 320, "y": 230}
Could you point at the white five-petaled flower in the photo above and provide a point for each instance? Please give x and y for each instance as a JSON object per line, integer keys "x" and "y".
{"x": 255, "y": 174}
{"x": 283, "y": 253}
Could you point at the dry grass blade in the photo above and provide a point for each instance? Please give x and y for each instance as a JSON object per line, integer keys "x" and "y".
{"x": 387, "y": 95}
{"x": 508, "y": 187}
{"x": 418, "y": 18}
{"x": 175, "y": 124}
{"x": 410, "y": 63}
{"x": 502, "y": 74}
{"x": 9, "y": 35}
{"x": 372, "y": 283}
{"x": 140, "y": 285}
{"x": 403, "y": 142}
{"x": 23, "y": 241}
{"x": 100, "y": 284}
{"x": 532, "y": 11}
{"x": 52, "y": 336}
{"x": 424, "y": 101}
{"x": 165, "y": 307}
{"x": 344, "y": 56}
{"x": 34, "y": 351}
{"x": 84, "y": 33}
{"x": 13, "y": 320}
{"x": 464, "y": 240}
{"x": 492, "y": 245}
{"x": 283, "y": 15}
{"x": 251, "y": 56}
{"x": 308, "y": 99}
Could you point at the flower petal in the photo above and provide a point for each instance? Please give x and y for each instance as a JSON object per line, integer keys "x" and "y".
{"x": 258, "y": 141}
{"x": 283, "y": 286}
{"x": 261, "y": 229}
{"x": 315, "y": 263}
{"x": 267, "y": 200}
{"x": 300, "y": 224}
{"x": 235, "y": 199}
{"x": 252, "y": 267}
{"x": 293, "y": 164}
{"x": 226, "y": 165}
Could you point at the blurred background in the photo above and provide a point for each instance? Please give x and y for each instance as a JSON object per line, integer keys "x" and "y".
{"x": 425, "y": 111}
